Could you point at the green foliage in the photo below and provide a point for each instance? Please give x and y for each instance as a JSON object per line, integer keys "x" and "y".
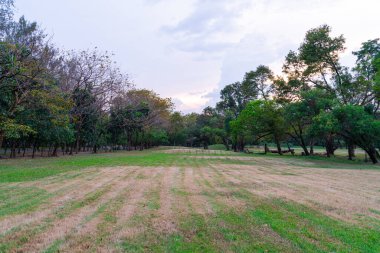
{"x": 12, "y": 130}
{"x": 359, "y": 126}
{"x": 319, "y": 49}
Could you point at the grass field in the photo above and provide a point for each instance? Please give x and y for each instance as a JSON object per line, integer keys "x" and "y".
{"x": 180, "y": 200}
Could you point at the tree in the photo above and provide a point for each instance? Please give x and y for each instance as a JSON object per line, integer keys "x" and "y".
{"x": 137, "y": 113}
{"x": 48, "y": 114}
{"x": 6, "y": 14}
{"x": 320, "y": 53}
{"x": 365, "y": 74}
{"x": 299, "y": 116}
{"x": 358, "y": 126}
{"x": 257, "y": 83}
{"x": 92, "y": 80}
{"x": 264, "y": 118}
{"x": 176, "y": 131}
{"x": 233, "y": 99}
{"x": 24, "y": 60}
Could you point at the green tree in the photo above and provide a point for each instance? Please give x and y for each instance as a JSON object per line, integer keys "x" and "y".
{"x": 258, "y": 83}
{"x": 355, "y": 124}
{"x": 264, "y": 118}
{"x": 24, "y": 60}
{"x": 299, "y": 116}
{"x": 176, "y": 129}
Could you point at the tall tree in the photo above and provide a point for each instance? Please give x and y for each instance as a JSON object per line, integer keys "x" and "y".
{"x": 24, "y": 61}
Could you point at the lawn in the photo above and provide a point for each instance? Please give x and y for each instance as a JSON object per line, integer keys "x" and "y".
{"x": 180, "y": 200}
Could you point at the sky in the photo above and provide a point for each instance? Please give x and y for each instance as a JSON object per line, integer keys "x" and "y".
{"x": 190, "y": 49}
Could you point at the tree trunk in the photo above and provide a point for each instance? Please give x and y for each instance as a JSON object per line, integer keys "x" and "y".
{"x": 372, "y": 155}
{"x": 225, "y": 142}
{"x": 241, "y": 145}
{"x": 304, "y": 147}
{"x": 142, "y": 141}
{"x": 77, "y": 143}
{"x": 351, "y": 150}
{"x": 49, "y": 150}
{"x": 278, "y": 146}
{"x": 305, "y": 150}
{"x": 34, "y": 149}
{"x": 1, "y": 138}
{"x": 55, "y": 150}
{"x": 13, "y": 150}
{"x": 330, "y": 146}
{"x": 95, "y": 149}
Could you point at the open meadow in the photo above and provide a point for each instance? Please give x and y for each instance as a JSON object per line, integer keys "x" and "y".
{"x": 179, "y": 200}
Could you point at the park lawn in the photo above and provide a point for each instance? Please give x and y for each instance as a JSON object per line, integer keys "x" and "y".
{"x": 188, "y": 201}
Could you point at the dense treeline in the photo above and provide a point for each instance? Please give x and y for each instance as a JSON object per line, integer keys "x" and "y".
{"x": 316, "y": 101}
{"x": 55, "y": 102}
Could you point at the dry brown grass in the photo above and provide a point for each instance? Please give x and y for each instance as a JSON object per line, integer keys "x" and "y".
{"x": 343, "y": 194}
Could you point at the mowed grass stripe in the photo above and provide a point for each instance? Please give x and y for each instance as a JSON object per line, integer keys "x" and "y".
{"x": 68, "y": 190}
{"x": 25, "y": 237}
{"x": 95, "y": 228}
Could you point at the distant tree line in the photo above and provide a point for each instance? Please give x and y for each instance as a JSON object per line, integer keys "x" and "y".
{"x": 316, "y": 101}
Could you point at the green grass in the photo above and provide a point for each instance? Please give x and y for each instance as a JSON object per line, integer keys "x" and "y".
{"x": 20, "y": 170}
{"x": 54, "y": 247}
{"x": 17, "y": 200}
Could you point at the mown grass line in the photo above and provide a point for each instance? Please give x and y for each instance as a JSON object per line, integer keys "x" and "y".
{"x": 191, "y": 226}
{"x": 142, "y": 221}
{"x": 19, "y": 200}
{"x": 21, "y": 235}
{"x": 90, "y": 198}
{"x": 54, "y": 247}
{"x": 106, "y": 213}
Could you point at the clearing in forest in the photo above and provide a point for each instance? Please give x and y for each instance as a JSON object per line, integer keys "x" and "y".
{"x": 188, "y": 201}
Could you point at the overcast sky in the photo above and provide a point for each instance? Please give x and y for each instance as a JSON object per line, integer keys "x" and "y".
{"x": 190, "y": 49}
